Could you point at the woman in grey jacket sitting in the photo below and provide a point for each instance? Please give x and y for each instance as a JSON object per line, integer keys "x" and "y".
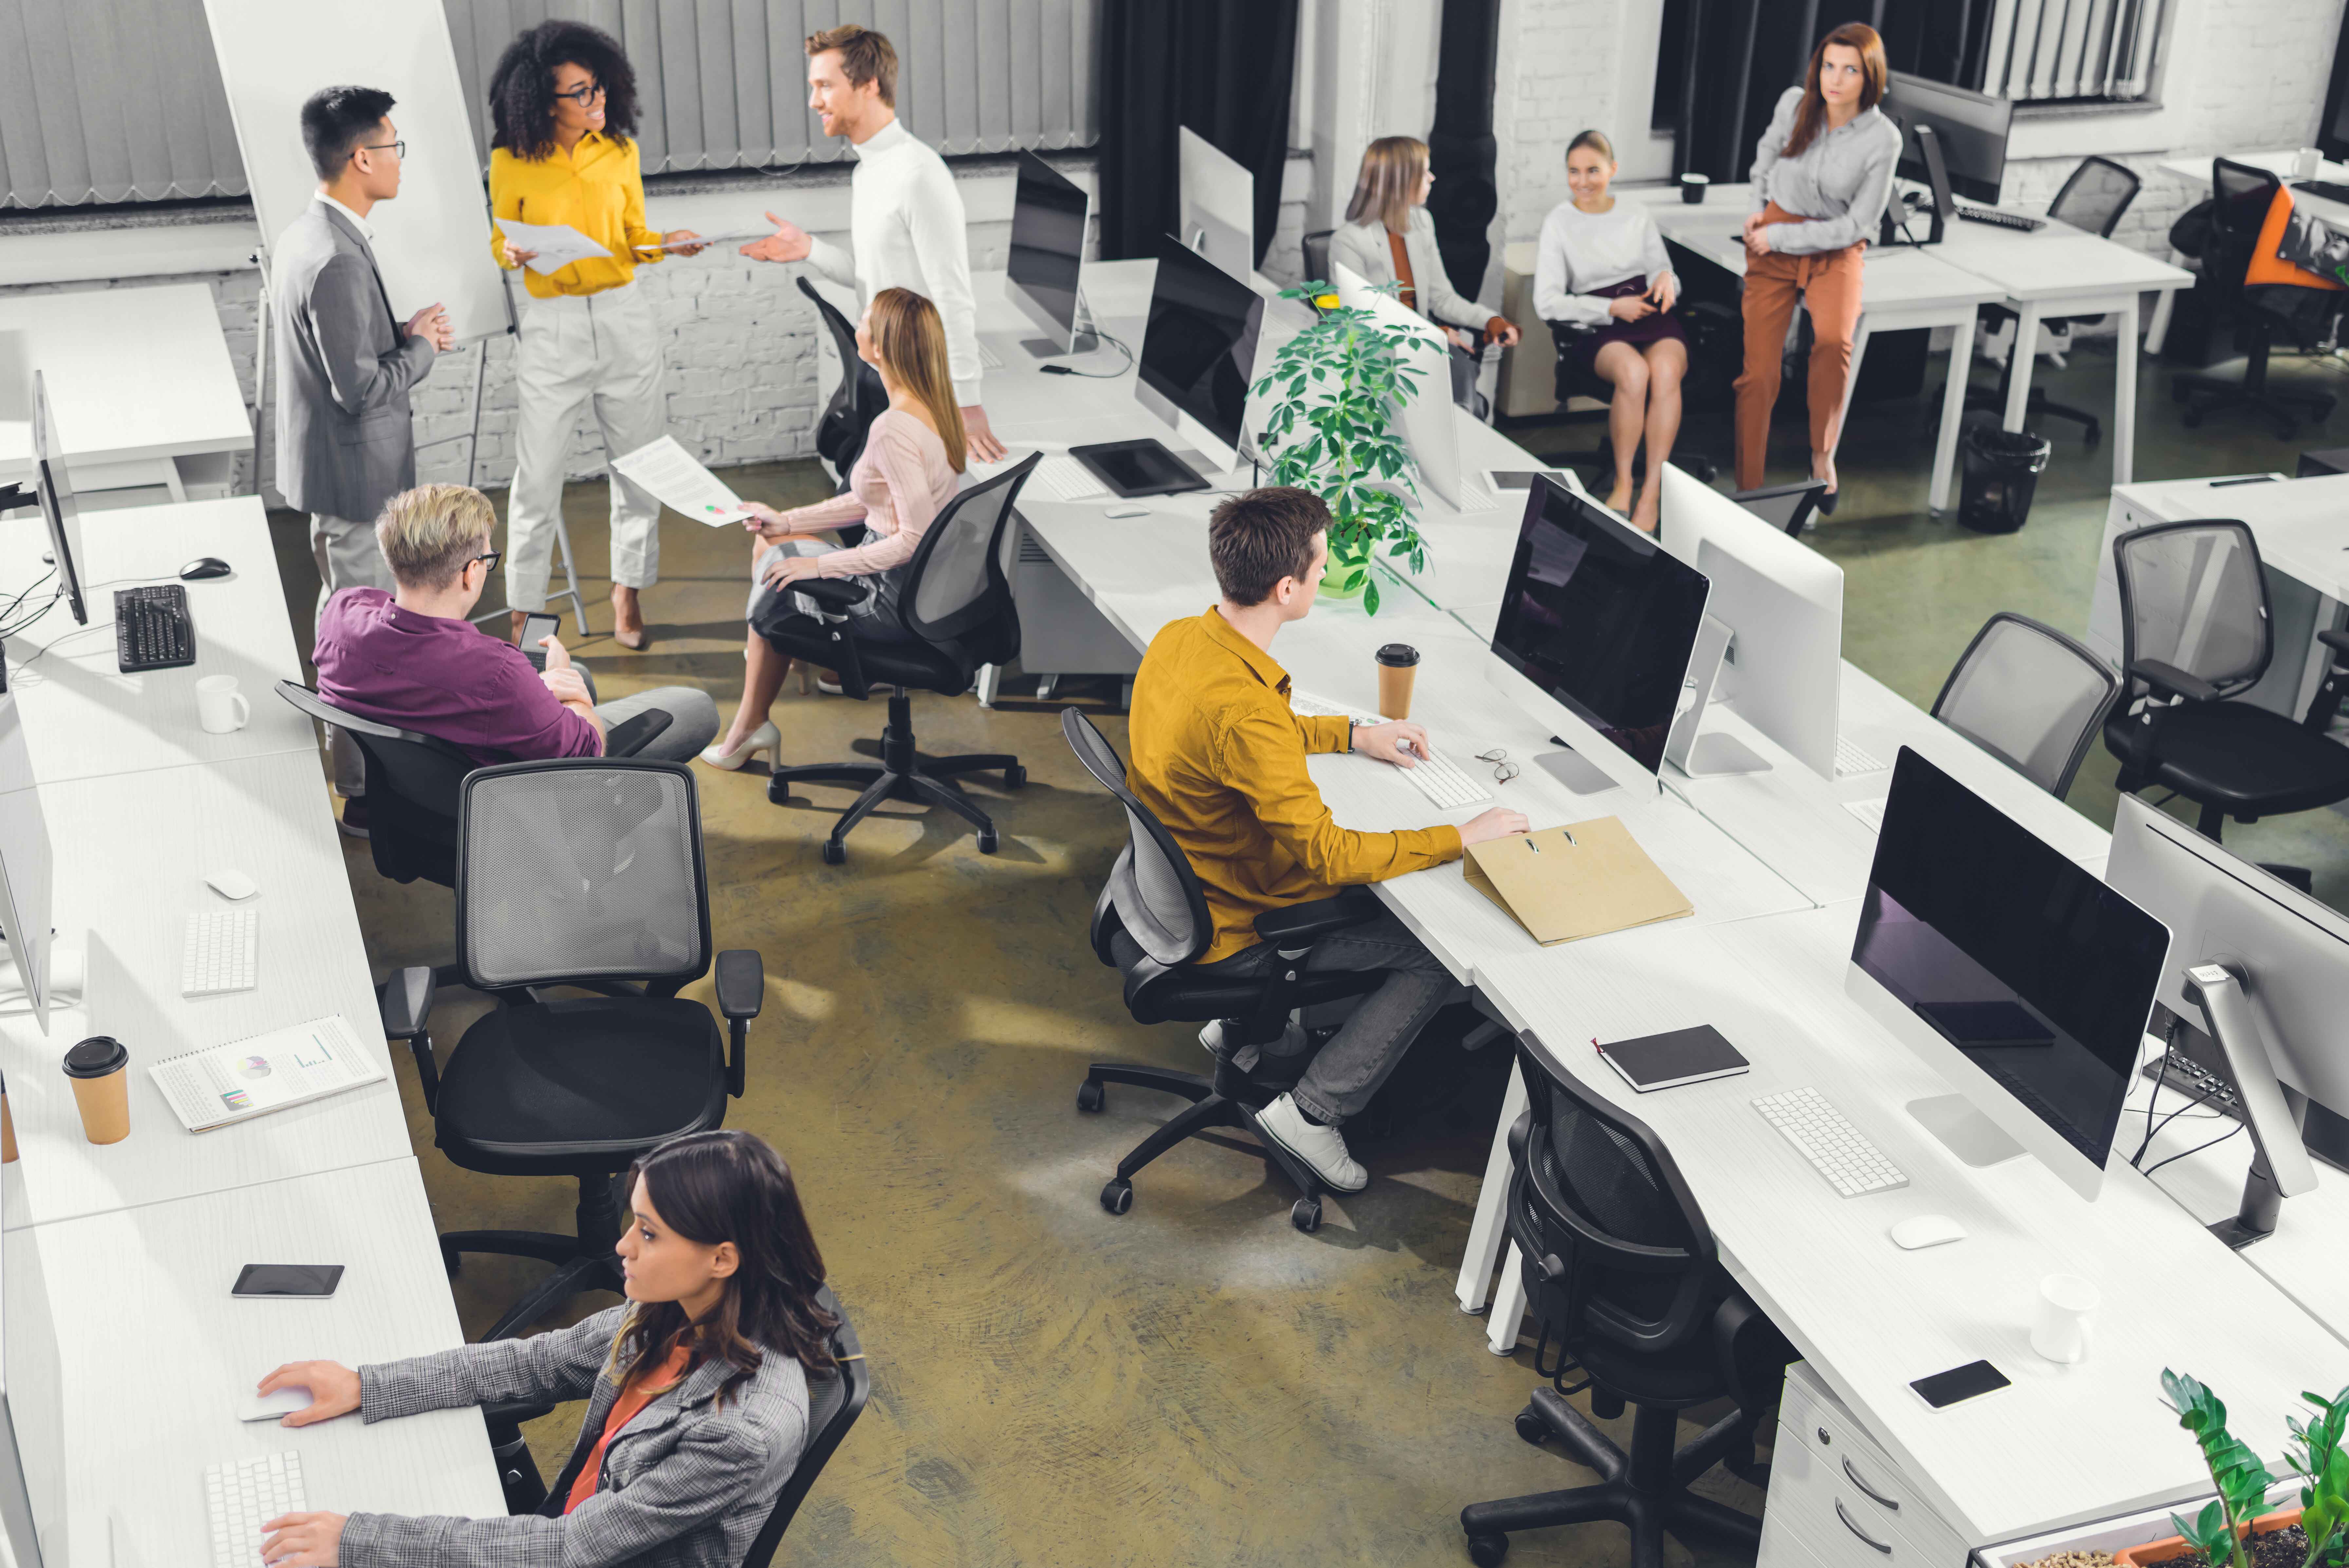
{"x": 697, "y": 1390}
{"x": 1389, "y": 238}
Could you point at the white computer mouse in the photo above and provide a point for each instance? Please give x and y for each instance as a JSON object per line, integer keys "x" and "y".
{"x": 269, "y": 1406}
{"x": 234, "y": 886}
{"x": 1127, "y": 510}
{"x": 1926, "y": 1230}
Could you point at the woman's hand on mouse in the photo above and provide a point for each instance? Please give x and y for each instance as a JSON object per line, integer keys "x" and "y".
{"x": 334, "y": 1390}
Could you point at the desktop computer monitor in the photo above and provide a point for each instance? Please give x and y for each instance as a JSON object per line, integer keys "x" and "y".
{"x": 57, "y": 508}
{"x": 1049, "y": 217}
{"x": 32, "y": 1404}
{"x": 2014, "y": 973}
{"x": 1217, "y": 196}
{"x": 1199, "y": 352}
{"x": 1597, "y": 622}
{"x": 1427, "y": 421}
{"x": 1971, "y": 127}
{"x": 25, "y": 871}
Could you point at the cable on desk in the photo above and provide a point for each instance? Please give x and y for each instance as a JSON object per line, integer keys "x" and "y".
{"x": 2197, "y": 1148}
{"x": 1113, "y": 341}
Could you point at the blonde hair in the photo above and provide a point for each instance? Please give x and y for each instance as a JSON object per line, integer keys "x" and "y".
{"x": 428, "y": 533}
{"x": 1594, "y": 139}
{"x": 912, "y": 344}
{"x": 1388, "y": 187}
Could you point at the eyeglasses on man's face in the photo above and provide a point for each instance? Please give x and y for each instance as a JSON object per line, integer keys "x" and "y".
{"x": 396, "y": 149}
{"x": 584, "y": 94}
{"x": 492, "y": 557}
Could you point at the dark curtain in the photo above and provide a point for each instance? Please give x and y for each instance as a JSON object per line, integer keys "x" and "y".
{"x": 1461, "y": 150}
{"x": 1223, "y": 68}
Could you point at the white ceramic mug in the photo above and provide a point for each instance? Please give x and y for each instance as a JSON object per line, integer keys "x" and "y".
{"x": 2061, "y": 1330}
{"x": 2306, "y": 162}
{"x": 221, "y": 708}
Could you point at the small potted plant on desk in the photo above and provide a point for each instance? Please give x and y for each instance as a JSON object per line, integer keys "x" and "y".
{"x": 2230, "y": 1533}
{"x": 1332, "y": 432}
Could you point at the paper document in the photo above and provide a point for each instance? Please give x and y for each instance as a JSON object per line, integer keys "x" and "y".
{"x": 1581, "y": 881}
{"x": 556, "y": 245}
{"x": 247, "y": 1078}
{"x": 681, "y": 484}
{"x": 732, "y": 237}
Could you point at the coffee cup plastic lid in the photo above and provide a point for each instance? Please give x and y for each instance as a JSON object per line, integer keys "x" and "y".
{"x": 1398, "y": 653}
{"x": 96, "y": 1057}
{"x": 1694, "y": 177}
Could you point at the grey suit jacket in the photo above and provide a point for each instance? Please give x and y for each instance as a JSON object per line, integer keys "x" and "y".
{"x": 1361, "y": 249}
{"x": 685, "y": 1484}
{"x": 344, "y": 368}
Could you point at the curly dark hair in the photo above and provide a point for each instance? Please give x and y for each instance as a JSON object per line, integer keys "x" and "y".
{"x": 522, "y": 89}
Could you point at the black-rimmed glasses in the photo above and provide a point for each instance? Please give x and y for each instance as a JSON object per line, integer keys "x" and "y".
{"x": 1504, "y": 770}
{"x": 492, "y": 557}
{"x": 583, "y": 95}
{"x": 398, "y": 149}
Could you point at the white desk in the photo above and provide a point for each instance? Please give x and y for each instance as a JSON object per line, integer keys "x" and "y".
{"x": 155, "y": 1351}
{"x": 83, "y": 717}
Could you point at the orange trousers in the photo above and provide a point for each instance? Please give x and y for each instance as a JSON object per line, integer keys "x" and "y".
{"x": 1828, "y": 285}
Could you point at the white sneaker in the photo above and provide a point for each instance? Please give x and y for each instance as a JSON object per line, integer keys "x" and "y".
{"x": 1322, "y": 1148}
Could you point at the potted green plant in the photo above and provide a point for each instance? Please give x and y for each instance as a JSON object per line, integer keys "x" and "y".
{"x": 2222, "y": 1533}
{"x": 1332, "y": 432}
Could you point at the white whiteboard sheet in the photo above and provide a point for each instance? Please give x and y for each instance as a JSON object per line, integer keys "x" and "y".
{"x": 432, "y": 240}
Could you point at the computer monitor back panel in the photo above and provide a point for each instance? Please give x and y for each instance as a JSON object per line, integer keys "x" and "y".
{"x": 1199, "y": 351}
{"x": 27, "y": 872}
{"x": 32, "y": 1402}
{"x": 1051, "y": 216}
{"x": 2020, "y": 978}
{"x": 1427, "y": 420}
{"x": 59, "y": 510}
{"x": 1217, "y": 198}
{"x": 2292, "y": 951}
{"x": 1972, "y": 127}
{"x": 1783, "y": 670}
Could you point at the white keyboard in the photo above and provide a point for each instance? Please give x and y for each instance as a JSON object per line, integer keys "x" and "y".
{"x": 1871, "y": 812}
{"x": 1853, "y": 1166}
{"x": 221, "y": 952}
{"x": 1441, "y": 780}
{"x": 244, "y": 1495}
{"x": 1851, "y": 758}
{"x": 1062, "y": 479}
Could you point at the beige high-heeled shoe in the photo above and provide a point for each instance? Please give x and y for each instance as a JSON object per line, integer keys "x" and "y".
{"x": 765, "y": 738}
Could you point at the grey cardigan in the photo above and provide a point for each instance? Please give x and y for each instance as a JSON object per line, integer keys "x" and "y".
{"x": 1362, "y": 248}
{"x": 685, "y": 1484}
{"x": 1841, "y": 182}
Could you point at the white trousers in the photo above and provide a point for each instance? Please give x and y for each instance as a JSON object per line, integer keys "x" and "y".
{"x": 601, "y": 347}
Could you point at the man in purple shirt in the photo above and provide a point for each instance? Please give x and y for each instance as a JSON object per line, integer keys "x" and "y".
{"x": 414, "y": 660}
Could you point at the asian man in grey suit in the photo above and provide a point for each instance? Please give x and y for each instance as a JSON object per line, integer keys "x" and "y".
{"x": 345, "y": 362}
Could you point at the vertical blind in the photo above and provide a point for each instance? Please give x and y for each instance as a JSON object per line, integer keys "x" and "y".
{"x": 2042, "y": 49}
{"x": 120, "y": 100}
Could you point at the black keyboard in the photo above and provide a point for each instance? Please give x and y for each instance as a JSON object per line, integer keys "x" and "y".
{"x": 2002, "y": 220}
{"x": 2325, "y": 188}
{"x": 151, "y": 629}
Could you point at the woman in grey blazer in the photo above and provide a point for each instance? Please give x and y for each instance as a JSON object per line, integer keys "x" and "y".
{"x": 696, "y": 1391}
{"x": 1389, "y": 238}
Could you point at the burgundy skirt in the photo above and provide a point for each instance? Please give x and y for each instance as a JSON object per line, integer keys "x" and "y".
{"x": 1662, "y": 325}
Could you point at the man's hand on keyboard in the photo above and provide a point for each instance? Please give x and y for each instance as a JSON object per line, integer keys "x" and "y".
{"x": 1499, "y": 823}
{"x": 334, "y": 1390}
{"x": 1386, "y": 742}
{"x": 302, "y": 1540}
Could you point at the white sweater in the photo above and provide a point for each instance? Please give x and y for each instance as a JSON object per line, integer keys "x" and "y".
{"x": 1582, "y": 252}
{"x": 905, "y": 223}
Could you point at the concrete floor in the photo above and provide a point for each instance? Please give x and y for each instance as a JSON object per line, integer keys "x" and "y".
{"x": 1195, "y": 1382}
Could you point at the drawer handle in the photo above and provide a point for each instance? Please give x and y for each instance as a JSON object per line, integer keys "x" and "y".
{"x": 1856, "y": 1529}
{"x": 1874, "y": 1496}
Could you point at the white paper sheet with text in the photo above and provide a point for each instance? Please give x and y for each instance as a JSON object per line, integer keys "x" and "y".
{"x": 680, "y": 482}
{"x": 554, "y": 246}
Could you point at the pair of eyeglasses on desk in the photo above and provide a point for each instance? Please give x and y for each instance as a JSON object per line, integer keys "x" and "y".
{"x": 1504, "y": 770}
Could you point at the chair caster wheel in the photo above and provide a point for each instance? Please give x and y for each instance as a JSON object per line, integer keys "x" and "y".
{"x": 1532, "y": 1427}
{"x": 1486, "y": 1550}
{"x": 1090, "y": 1095}
{"x": 1014, "y": 776}
{"x": 988, "y": 841}
{"x": 1117, "y": 1195}
{"x": 835, "y": 853}
{"x": 1306, "y": 1215}
{"x": 778, "y": 792}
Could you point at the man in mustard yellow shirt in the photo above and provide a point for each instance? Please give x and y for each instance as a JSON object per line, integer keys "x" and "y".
{"x": 1218, "y": 756}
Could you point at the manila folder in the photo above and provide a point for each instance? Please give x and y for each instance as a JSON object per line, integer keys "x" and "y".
{"x": 1581, "y": 881}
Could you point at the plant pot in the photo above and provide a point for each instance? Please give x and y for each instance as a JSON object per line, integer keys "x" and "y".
{"x": 1347, "y": 574}
{"x": 2172, "y": 1546}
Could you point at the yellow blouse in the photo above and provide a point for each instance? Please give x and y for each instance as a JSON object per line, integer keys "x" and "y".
{"x": 597, "y": 188}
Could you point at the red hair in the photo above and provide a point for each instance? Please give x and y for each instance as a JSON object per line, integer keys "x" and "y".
{"x": 1811, "y": 117}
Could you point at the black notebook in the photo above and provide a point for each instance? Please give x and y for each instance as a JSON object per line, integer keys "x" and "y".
{"x": 1668, "y": 1061}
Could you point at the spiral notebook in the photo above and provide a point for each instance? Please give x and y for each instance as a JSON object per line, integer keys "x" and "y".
{"x": 247, "y": 1078}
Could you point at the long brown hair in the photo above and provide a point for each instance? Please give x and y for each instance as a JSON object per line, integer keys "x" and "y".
{"x": 912, "y": 343}
{"x": 1388, "y": 186}
{"x": 729, "y": 1186}
{"x": 1811, "y": 117}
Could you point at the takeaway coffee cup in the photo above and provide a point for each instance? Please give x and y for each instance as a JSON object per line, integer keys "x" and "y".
{"x": 2306, "y": 162}
{"x": 99, "y": 1069}
{"x": 1398, "y": 666}
{"x": 1693, "y": 187}
{"x": 8, "y": 1129}
{"x": 2061, "y": 1331}
{"x": 219, "y": 706}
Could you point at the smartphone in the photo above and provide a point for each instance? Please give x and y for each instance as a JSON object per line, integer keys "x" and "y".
{"x": 533, "y": 628}
{"x": 288, "y": 1280}
{"x": 1944, "y": 1389}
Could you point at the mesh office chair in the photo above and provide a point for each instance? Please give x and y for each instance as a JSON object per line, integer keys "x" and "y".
{"x": 856, "y": 403}
{"x": 1787, "y": 506}
{"x": 1620, "y": 1270}
{"x": 835, "y": 1399}
{"x": 957, "y": 602}
{"x": 2029, "y": 696}
{"x": 2195, "y": 635}
{"x": 2242, "y": 197}
{"x": 1151, "y": 924}
{"x": 586, "y": 873}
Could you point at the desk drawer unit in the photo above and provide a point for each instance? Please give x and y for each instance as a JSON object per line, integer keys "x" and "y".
{"x": 1837, "y": 1500}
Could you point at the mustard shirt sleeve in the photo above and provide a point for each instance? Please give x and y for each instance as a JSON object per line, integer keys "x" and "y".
{"x": 632, "y": 212}
{"x": 1261, "y": 760}
{"x": 506, "y": 201}
{"x": 1325, "y": 732}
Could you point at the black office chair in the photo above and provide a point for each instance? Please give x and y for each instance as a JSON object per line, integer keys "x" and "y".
{"x": 1787, "y": 506}
{"x": 2094, "y": 198}
{"x": 1151, "y": 924}
{"x": 2242, "y": 197}
{"x": 856, "y": 403}
{"x": 2196, "y": 633}
{"x": 957, "y": 602}
{"x": 586, "y": 873}
{"x": 1622, "y": 1272}
{"x": 1317, "y": 255}
{"x": 835, "y": 1399}
{"x": 2030, "y": 696}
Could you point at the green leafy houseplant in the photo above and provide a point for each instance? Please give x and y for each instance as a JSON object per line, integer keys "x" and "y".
{"x": 2317, "y": 1457}
{"x": 2241, "y": 1480}
{"x": 1337, "y": 382}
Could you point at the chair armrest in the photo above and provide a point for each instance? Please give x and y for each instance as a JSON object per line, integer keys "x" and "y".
{"x": 633, "y": 735}
{"x": 2338, "y": 641}
{"x": 407, "y": 1003}
{"x": 1301, "y": 925}
{"x": 513, "y": 1413}
{"x": 833, "y": 593}
{"x": 2169, "y": 678}
{"x": 742, "y": 982}
{"x": 1106, "y": 924}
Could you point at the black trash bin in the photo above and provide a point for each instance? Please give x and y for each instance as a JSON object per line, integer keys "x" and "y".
{"x": 2002, "y": 468}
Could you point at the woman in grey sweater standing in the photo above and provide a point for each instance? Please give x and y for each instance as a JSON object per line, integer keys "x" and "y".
{"x": 1822, "y": 176}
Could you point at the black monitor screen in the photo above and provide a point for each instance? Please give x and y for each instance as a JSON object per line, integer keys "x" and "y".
{"x": 1048, "y": 238}
{"x": 58, "y": 506}
{"x": 1971, "y": 128}
{"x": 1200, "y": 348}
{"x": 1601, "y": 618}
{"x": 2034, "y": 969}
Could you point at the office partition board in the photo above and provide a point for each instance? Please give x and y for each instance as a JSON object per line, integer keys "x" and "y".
{"x": 432, "y": 242}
